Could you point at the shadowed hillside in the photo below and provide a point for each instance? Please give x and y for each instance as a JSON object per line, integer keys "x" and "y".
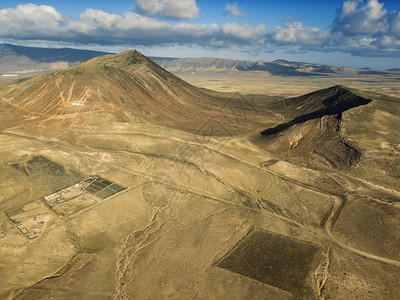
{"x": 331, "y": 101}
{"x": 313, "y": 136}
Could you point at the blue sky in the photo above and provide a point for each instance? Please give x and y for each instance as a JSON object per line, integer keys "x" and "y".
{"x": 353, "y": 33}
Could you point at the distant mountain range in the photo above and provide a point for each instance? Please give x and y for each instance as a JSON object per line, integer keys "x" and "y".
{"x": 16, "y": 60}
{"x": 277, "y": 67}
{"x": 21, "y": 59}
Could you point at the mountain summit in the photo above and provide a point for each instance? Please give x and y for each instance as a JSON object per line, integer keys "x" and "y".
{"x": 129, "y": 85}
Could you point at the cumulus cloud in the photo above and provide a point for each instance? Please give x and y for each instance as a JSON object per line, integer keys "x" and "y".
{"x": 357, "y": 18}
{"x": 245, "y": 31}
{"x": 388, "y": 42}
{"x": 99, "y": 27}
{"x": 349, "y": 7}
{"x": 233, "y": 11}
{"x": 366, "y": 28}
{"x": 30, "y": 21}
{"x": 394, "y": 23}
{"x": 298, "y": 34}
{"x": 176, "y": 9}
{"x": 360, "y": 28}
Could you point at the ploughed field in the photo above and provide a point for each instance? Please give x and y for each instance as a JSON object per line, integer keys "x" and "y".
{"x": 121, "y": 181}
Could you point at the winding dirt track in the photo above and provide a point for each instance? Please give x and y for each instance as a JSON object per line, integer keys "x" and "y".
{"x": 338, "y": 203}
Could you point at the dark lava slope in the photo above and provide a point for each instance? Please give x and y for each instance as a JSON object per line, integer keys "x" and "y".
{"x": 313, "y": 136}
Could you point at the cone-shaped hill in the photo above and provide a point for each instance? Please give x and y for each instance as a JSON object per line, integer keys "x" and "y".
{"x": 328, "y": 101}
{"x": 313, "y": 135}
{"x": 331, "y": 101}
{"x": 130, "y": 86}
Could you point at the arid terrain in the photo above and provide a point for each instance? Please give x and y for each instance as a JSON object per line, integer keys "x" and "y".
{"x": 291, "y": 86}
{"x": 119, "y": 180}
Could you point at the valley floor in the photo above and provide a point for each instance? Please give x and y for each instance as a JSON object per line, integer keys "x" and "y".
{"x": 290, "y": 86}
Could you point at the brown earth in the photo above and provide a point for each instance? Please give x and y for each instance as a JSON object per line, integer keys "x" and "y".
{"x": 318, "y": 191}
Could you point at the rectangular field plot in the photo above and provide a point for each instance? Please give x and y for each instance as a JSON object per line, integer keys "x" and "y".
{"x": 116, "y": 188}
{"x": 274, "y": 259}
{"x": 105, "y": 193}
{"x": 91, "y": 190}
{"x": 81, "y": 195}
{"x": 32, "y": 218}
{"x": 103, "y": 188}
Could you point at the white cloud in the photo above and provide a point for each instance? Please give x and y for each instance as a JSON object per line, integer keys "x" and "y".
{"x": 30, "y": 21}
{"x": 365, "y": 28}
{"x": 388, "y": 42}
{"x": 245, "y": 31}
{"x": 394, "y": 23}
{"x": 356, "y": 19}
{"x": 96, "y": 26}
{"x": 233, "y": 11}
{"x": 349, "y": 7}
{"x": 361, "y": 28}
{"x": 297, "y": 33}
{"x": 176, "y": 9}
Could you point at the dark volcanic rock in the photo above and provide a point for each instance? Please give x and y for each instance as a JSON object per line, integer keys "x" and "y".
{"x": 313, "y": 135}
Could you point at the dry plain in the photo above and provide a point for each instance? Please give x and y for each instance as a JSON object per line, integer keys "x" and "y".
{"x": 290, "y": 86}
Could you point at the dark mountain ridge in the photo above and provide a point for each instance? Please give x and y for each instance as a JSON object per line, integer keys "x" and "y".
{"x": 47, "y": 55}
{"x": 313, "y": 136}
{"x": 19, "y": 59}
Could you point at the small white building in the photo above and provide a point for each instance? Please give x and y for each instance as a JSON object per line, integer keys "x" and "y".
{"x": 77, "y": 104}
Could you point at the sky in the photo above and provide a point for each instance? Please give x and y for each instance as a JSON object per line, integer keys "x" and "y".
{"x": 350, "y": 33}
